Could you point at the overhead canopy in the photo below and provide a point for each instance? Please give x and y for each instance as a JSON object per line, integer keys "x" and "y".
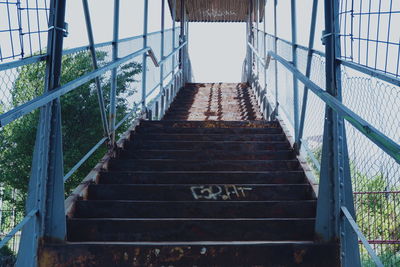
{"x": 216, "y": 10}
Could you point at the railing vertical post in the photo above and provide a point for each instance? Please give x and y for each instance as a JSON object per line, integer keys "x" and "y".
{"x": 276, "y": 112}
{"x": 294, "y": 59}
{"x": 266, "y": 109}
{"x": 173, "y": 34}
{"x": 265, "y": 48}
{"x": 335, "y": 188}
{"x": 161, "y": 109}
{"x": 250, "y": 40}
{"x": 308, "y": 73}
{"x": 182, "y": 39}
{"x": 173, "y": 86}
{"x": 113, "y": 90}
{"x": 95, "y": 66}
{"x": 256, "y": 37}
{"x": 46, "y": 185}
{"x": 144, "y": 59}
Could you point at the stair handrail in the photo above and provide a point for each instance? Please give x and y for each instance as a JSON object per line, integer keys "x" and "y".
{"x": 377, "y": 137}
{"x": 39, "y": 101}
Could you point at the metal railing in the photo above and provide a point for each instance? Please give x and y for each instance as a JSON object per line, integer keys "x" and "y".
{"x": 371, "y": 136}
{"x": 111, "y": 76}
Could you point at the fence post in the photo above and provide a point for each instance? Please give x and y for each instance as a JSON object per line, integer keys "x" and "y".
{"x": 266, "y": 107}
{"x": 250, "y": 38}
{"x": 95, "y": 66}
{"x": 295, "y": 82}
{"x": 276, "y": 111}
{"x": 113, "y": 91}
{"x": 308, "y": 73}
{"x": 161, "y": 109}
{"x": 46, "y": 185}
{"x": 182, "y": 40}
{"x": 144, "y": 59}
{"x": 257, "y": 16}
{"x": 335, "y": 188}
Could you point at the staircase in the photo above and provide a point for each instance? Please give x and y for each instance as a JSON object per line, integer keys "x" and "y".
{"x": 211, "y": 184}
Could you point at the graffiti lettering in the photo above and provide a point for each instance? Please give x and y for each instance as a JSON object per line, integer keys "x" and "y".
{"x": 215, "y": 192}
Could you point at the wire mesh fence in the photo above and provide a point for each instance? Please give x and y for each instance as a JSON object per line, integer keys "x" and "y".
{"x": 369, "y": 34}
{"x": 22, "y": 82}
{"x": 23, "y": 28}
{"x": 375, "y": 175}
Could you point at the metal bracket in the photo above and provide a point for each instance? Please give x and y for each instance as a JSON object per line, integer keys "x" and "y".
{"x": 151, "y": 54}
{"x": 325, "y": 36}
{"x": 64, "y": 30}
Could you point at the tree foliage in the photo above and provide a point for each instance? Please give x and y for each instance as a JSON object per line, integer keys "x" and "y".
{"x": 81, "y": 121}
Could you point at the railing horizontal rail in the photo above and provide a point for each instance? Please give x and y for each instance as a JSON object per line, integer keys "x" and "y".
{"x": 259, "y": 58}
{"x": 363, "y": 69}
{"x": 35, "y": 59}
{"x": 18, "y": 227}
{"x": 45, "y": 98}
{"x": 84, "y": 158}
{"x": 381, "y": 140}
{"x": 163, "y": 60}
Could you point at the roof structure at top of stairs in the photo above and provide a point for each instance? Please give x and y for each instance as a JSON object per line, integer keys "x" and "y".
{"x": 216, "y": 10}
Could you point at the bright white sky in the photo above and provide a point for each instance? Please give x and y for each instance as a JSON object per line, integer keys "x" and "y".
{"x": 216, "y": 50}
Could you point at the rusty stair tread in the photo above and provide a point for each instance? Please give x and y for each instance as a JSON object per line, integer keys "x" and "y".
{"x": 206, "y": 155}
{"x": 201, "y": 254}
{"x": 198, "y": 165}
{"x": 165, "y": 229}
{"x": 200, "y": 192}
{"x": 212, "y": 184}
{"x": 195, "y": 209}
{"x": 233, "y": 130}
{"x": 211, "y": 137}
{"x": 215, "y": 177}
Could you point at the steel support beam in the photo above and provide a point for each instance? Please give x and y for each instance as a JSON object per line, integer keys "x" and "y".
{"x": 335, "y": 188}
{"x": 46, "y": 186}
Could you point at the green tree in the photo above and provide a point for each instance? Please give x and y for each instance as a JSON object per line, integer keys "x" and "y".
{"x": 81, "y": 121}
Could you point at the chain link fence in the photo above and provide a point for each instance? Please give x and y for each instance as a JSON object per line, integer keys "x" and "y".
{"x": 375, "y": 175}
{"x": 22, "y": 81}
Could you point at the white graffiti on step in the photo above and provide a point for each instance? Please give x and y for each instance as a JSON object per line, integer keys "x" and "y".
{"x": 223, "y": 192}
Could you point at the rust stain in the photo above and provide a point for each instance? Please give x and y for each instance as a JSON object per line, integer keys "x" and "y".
{"x": 176, "y": 254}
{"x": 298, "y": 255}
